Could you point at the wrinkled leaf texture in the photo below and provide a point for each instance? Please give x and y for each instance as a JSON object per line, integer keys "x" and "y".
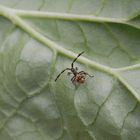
{"x": 39, "y": 38}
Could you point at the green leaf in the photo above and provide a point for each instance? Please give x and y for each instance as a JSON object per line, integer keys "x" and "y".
{"x": 40, "y": 38}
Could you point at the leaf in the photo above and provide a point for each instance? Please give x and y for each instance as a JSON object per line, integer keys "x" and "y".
{"x": 40, "y": 38}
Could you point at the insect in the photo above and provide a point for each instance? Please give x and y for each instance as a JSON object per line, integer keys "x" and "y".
{"x": 78, "y": 77}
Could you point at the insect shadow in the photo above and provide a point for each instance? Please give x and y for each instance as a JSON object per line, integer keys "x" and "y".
{"x": 78, "y": 76}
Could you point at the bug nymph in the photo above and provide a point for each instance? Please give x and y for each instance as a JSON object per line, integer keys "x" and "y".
{"x": 78, "y": 77}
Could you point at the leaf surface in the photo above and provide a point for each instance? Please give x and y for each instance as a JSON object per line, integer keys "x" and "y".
{"x": 40, "y": 38}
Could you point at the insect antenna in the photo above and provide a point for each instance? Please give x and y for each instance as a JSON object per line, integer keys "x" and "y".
{"x": 72, "y": 64}
{"x": 61, "y": 73}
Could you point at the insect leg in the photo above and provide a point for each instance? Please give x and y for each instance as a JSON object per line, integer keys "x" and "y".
{"x": 82, "y": 72}
{"x": 73, "y": 79}
{"x": 69, "y": 73}
{"x": 61, "y": 73}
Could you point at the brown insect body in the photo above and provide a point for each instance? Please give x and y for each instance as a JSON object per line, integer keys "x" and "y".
{"x": 78, "y": 77}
